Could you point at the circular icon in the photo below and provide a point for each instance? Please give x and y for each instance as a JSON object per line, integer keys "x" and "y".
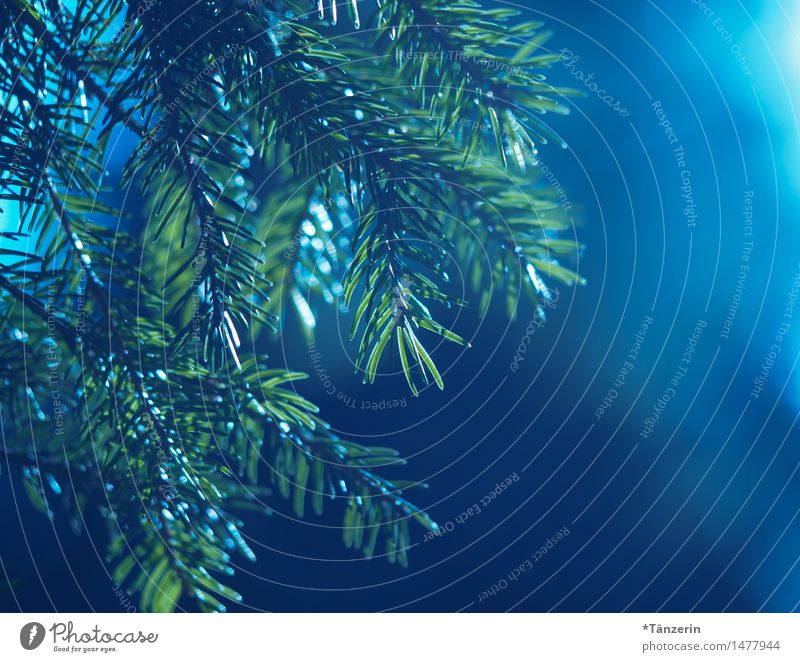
{"x": 31, "y": 635}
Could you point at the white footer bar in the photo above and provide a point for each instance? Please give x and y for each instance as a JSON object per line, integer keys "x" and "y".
{"x": 393, "y": 637}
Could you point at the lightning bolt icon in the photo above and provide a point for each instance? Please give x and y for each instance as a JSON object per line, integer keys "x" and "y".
{"x": 32, "y": 634}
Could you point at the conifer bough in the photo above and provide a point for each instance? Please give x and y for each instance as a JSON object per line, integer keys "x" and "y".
{"x": 282, "y": 158}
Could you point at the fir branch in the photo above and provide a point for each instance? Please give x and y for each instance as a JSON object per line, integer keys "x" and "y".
{"x": 229, "y": 105}
{"x": 471, "y": 71}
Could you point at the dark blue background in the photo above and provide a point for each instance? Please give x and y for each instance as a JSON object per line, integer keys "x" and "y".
{"x": 700, "y": 515}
